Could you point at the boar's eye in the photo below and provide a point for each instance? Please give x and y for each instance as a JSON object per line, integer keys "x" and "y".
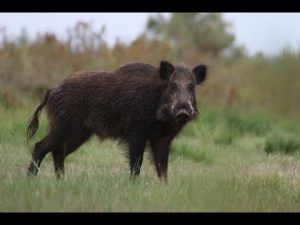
{"x": 191, "y": 87}
{"x": 173, "y": 87}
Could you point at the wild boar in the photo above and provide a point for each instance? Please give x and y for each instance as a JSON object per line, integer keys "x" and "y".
{"x": 138, "y": 104}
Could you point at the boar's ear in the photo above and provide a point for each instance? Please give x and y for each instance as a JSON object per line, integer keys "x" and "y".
{"x": 165, "y": 70}
{"x": 200, "y": 73}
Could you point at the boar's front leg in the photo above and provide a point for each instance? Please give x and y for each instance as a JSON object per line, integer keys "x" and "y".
{"x": 160, "y": 149}
{"x": 136, "y": 153}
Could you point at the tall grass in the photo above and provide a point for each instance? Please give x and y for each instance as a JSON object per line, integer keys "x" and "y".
{"x": 205, "y": 174}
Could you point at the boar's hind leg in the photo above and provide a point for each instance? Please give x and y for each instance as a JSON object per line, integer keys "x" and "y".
{"x": 136, "y": 153}
{"x": 160, "y": 150}
{"x": 53, "y": 140}
{"x": 59, "y": 158}
{"x": 68, "y": 147}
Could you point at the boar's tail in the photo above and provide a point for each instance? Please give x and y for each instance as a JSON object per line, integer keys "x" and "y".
{"x": 34, "y": 120}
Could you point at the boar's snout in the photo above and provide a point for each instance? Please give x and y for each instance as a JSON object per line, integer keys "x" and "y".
{"x": 183, "y": 111}
{"x": 183, "y": 115}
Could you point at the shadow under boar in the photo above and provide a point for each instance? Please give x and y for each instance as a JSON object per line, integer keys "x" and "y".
{"x": 138, "y": 104}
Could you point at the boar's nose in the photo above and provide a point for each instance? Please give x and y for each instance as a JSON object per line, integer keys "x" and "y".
{"x": 182, "y": 113}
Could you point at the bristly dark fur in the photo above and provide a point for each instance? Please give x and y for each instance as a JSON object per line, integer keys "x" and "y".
{"x": 134, "y": 104}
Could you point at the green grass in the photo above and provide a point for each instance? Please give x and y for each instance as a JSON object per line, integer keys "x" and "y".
{"x": 282, "y": 144}
{"x": 218, "y": 163}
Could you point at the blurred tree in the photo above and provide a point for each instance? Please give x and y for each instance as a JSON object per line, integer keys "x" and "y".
{"x": 3, "y": 36}
{"x": 205, "y": 32}
{"x": 84, "y": 37}
{"x": 237, "y": 52}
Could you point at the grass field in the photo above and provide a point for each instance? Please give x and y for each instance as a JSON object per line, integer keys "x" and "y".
{"x": 224, "y": 161}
